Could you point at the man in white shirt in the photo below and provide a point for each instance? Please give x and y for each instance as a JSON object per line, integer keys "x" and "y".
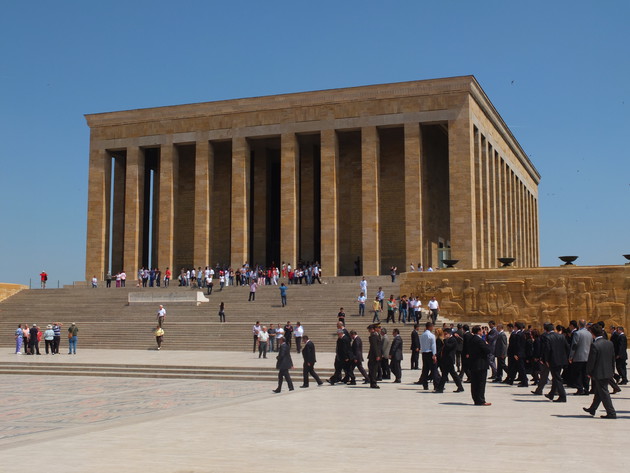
{"x": 161, "y": 313}
{"x": 298, "y": 332}
{"x": 263, "y": 339}
{"x": 255, "y": 332}
{"x": 361, "y": 300}
{"x": 363, "y": 285}
{"x": 428, "y": 349}
{"x": 434, "y": 307}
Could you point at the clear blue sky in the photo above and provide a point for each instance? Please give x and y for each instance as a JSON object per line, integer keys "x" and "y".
{"x": 558, "y": 73}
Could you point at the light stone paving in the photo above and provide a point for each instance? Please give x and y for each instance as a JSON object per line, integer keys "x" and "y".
{"x": 92, "y": 424}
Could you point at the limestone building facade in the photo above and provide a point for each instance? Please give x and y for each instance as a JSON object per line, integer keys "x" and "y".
{"x": 393, "y": 174}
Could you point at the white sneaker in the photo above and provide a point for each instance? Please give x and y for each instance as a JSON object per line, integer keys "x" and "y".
{"x": 18, "y": 352}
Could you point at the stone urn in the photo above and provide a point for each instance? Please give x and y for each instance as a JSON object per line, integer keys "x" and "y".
{"x": 627, "y": 257}
{"x": 568, "y": 260}
{"x": 450, "y": 263}
{"x": 506, "y": 262}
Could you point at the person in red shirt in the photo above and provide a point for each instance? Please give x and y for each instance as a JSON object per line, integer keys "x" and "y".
{"x": 44, "y": 278}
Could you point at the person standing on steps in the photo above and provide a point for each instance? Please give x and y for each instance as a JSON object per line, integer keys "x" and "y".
{"x": 34, "y": 340}
{"x": 43, "y": 279}
{"x": 73, "y": 335}
{"x": 361, "y": 300}
{"x": 263, "y": 340}
{"x": 161, "y": 314}
{"x": 252, "y": 290}
{"x": 283, "y": 294}
{"x": 376, "y": 308}
{"x": 159, "y": 336}
{"x": 283, "y": 365}
{"x": 255, "y": 331}
{"x": 222, "y": 312}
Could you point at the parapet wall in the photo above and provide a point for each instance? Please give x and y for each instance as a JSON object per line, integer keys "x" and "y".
{"x": 7, "y": 290}
{"x": 530, "y": 295}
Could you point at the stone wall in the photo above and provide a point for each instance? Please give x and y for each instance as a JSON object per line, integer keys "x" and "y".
{"x": 7, "y": 290}
{"x": 530, "y": 295}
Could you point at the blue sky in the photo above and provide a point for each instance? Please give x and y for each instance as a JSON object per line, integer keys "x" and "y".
{"x": 558, "y": 73}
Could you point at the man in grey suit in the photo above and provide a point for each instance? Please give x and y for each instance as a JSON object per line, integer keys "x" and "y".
{"x": 578, "y": 356}
{"x": 284, "y": 364}
{"x": 601, "y": 367}
{"x": 500, "y": 352}
{"x": 396, "y": 355}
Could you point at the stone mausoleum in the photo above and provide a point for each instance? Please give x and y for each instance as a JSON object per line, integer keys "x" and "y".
{"x": 392, "y": 174}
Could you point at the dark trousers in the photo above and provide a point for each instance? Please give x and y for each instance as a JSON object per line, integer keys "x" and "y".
{"x": 56, "y": 343}
{"x": 434, "y": 315}
{"x": 34, "y": 346}
{"x": 556, "y": 381}
{"x": 478, "y": 386}
{"x": 385, "y": 372}
{"x": 252, "y": 296}
{"x": 298, "y": 344}
{"x": 415, "y": 356}
{"x": 283, "y": 300}
{"x": 310, "y": 370}
{"x": 580, "y": 378}
{"x": 600, "y": 387}
{"x": 373, "y": 369}
{"x": 341, "y": 365}
{"x": 448, "y": 369}
{"x": 543, "y": 378}
{"x": 50, "y": 344}
{"x": 255, "y": 341}
{"x": 284, "y": 374}
{"x": 500, "y": 367}
{"x": 396, "y": 369}
{"x": 359, "y": 365}
{"x": 621, "y": 369}
{"x": 428, "y": 370}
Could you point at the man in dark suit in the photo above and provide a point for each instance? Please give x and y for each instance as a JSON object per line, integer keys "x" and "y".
{"x": 415, "y": 347}
{"x": 343, "y": 358}
{"x": 500, "y": 352}
{"x": 543, "y": 375}
{"x": 466, "y": 337}
{"x": 600, "y": 368}
{"x": 396, "y": 355}
{"x": 447, "y": 363}
{"x": 477, "y": 355}
{"x": 516, "y": 354}
{"x": 621, "y": 355}
{"x": 491, "y": 338}
{"x": 556, "y": 358}
{"x": 357, "y": 357}
{"x": 375, "y": 354}
{"x": 284, "y": 364}
{"x": 308, "y": 353}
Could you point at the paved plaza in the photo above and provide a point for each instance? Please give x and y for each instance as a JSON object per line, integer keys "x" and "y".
{"x": 98, "y": 424}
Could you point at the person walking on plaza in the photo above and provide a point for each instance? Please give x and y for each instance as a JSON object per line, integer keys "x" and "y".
{"x": 428, "y": 348}
{"x": 556, "y": 349}
{"x": 396, "y": 355}
{"x": 222, "y": 312}
{"x": 374, "y": 354}
{"x": 357, "y": 351}
{"x": 581, "y": 342}
{"x": 159, "y": 336}
{"x": 621, "y": 356}
{"x": 161, "y": 314}
{"x": 283, "y": 294}
{"x": 447, "y": 363}
{"x": 477, "y": 353}
{"x": 308, "y": 353}
{"x": 600, "y": 367}
{"x": 283, "y": 365}
{"x": 73, "y": 335}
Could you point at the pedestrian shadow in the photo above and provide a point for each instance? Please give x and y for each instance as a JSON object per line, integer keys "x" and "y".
{"x": 582, "y": 416}
{"x": 531, "y": 400}
{"x": 456, "y": 404}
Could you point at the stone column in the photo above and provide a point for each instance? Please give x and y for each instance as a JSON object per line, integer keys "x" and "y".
{"x": 134, "y": 192}
{"x": 204, "y": 177}
{"x": 329, "y": 180}
{"x": 168, "y": 187}
{"x": 370, "y": 225}
{"x": 479, "y": 197}
{"x": 462, "y": 190}
{"x": 98, "y": 217}
{"x": 289, "y": 201}
{"x": 239, "y": 251}
{"x": 414, "y": 239}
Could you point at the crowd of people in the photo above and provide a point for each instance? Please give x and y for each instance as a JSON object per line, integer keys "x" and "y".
{"x": 27, "y": 339}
